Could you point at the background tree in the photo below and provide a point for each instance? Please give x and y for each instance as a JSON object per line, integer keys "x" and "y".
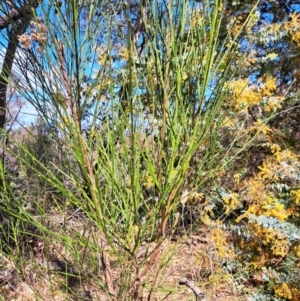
{"x": 14, "y": 20}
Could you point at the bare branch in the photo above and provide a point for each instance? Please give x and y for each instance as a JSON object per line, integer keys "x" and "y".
{"x": 7, "y": 65}
{"x": 196, "y": 290}
{"x": 17, "y": 13}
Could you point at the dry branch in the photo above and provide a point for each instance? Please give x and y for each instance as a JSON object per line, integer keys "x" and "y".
{"x": 17, "y": 13}
{"x": 196, "y": 290}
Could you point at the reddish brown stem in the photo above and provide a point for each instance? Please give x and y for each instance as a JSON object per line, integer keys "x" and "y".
{"x": 107, "y": 267}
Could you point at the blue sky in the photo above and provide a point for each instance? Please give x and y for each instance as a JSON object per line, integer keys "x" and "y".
{"x": 28, "y": 113}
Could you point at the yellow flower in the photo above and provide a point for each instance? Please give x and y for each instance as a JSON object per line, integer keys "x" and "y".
{"x": 124, "y": 53}
{"x": 296, "y": 250}
{"x": 269, "y": 86}
{"x": 236, "y": 178}
{"x": 231, "y": 202}
{"x": 245, "y": 95}
{"x": 292, "y": 27}
{"x": 195, "y": 198}
{"x": 282, "y": 290}
{"x": 280, "y": 247}
{"x": 260, "y": 126}
{"x": 218, "y": 238}
{"x": 273, "y": 104}
{"x": 205, "y": 219}
{"x": 256, "y": 189}
{"x": 258, "y": 261}
{"x": 267, "y": 172}
{"x": 184, "y": 76}
{"x": 272, "y": 55}
{"x": 275, "y": 149}
{"x": 296, "y": 38}
{"x": 295, "y": 194}
{"x": 273, "y": 208}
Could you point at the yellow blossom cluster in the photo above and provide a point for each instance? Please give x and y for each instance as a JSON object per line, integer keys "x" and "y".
{"x": 273, "y": 103}
{"x": 280, "y": 245}
{"x": 295, "y": 194}
{"x": 245, "y": 95}
{"x": 259, "y": 260}
{"x": 221, "y": 246}
{"x": 276, "y": 149}
{"x": 269, "y": 86}
{"x": 293, "y": 27}
{"x": 282, "y": 290}
{"x": 266, "y": 192}
{"x": 271, "y": 207}
{"x": 207, "y": 213}
{"x": 268, "y": 171}
{"x": 262, "y": 234}
{"x": 296, "y": 38}
{"x": 221, "y": 279}
{"x": 230, "y": 202}
{"x": 124, "y": 53}
{"x": 260, "y": 201}
{"x": 260, "y": 127}
{"x": 205, "y": 219}
{"x": 274, "y": 168}
{"x": 296, "y": 250}
{"x": 265, "y": 245}
{"x": 254, "y": 191}
{"x": 195, "y": 198}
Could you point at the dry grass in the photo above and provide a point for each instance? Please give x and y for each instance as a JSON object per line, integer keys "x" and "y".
{"x": 41, "y": 275}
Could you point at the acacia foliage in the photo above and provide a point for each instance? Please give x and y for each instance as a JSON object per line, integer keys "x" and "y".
{"x": 256, "y": 199}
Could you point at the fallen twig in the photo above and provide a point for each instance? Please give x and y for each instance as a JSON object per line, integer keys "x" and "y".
{"x": 196, "y": 290}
